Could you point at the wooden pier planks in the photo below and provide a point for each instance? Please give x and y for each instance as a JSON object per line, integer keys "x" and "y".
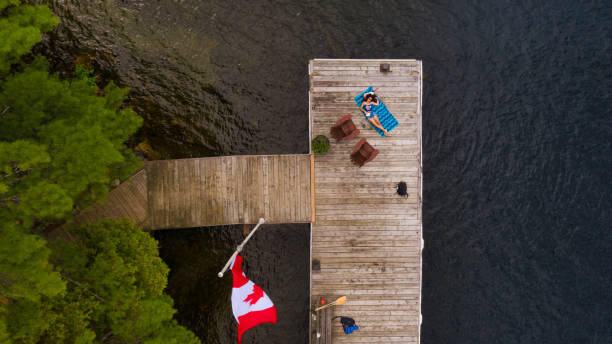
{"x": 212, "y": 191}
{"x": 229, "y": 190}
{"x": 366, "y": 237}
{"x": 129, "y": 199}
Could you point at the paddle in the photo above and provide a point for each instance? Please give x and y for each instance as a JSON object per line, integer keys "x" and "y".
{"x": 340, "y": 301}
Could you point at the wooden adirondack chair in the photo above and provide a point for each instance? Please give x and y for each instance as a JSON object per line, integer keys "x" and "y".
{"x": 363, "y": 153}
{"x": 344, "y": 129}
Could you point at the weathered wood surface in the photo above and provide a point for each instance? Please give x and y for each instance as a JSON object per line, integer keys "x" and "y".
{"x": 229, "y": 190}
{"x": 324, "y": 326}
{"x": 211, "y": 191}
{"x": 129, "y": 199}
{"x": 366, "y": 237}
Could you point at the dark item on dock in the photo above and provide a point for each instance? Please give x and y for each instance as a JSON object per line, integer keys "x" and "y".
{"x": 316, "y": 265}
{"x": 385, "y": 67}
{"x": 402, "y": 189}
{"x": 348, "y": 324}
{"x": 320, "y": 144}
{"x": 363, "y": 153}
{"x": 344, "y": 129}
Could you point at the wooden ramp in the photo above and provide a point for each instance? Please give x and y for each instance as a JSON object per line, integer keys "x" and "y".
{"x": 212, "y": 191}
{"x": 129, "y": 199}
{"x": 229, "y": 190}
{"x": 366, "y": 238}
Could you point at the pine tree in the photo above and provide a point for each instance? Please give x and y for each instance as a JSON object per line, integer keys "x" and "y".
{"x": 26, "y": 277}
{"x": 61, "y": 144}
{"x": 64, "y": 143}
{"x": 20, "y": 29}
{"x": 115, "y": 285}
{"x": 24, "y": 269}
{"x": 26, "y": 281}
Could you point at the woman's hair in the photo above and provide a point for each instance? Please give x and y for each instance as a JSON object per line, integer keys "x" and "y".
{"x": 370, "y": 96}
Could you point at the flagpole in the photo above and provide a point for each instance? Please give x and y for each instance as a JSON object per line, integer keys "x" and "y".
{"x": 239, "y": 248}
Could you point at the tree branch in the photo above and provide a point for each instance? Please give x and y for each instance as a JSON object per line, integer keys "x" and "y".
{"x": 106, "y": 336}
{"x": 14, "y": 199}
{"x": 4, "y": 111}
{"x": 86, "y": 289}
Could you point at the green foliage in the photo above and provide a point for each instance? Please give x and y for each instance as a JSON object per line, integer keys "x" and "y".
{"x": 61, "y": 143}
{"x": 6, "y": 3}
{"x": 26, "y": 280}
{"x": 26, "y": 320}
{"x": 24, "y": 269}
{"x": 18, "y": 158}
{"x": 5, "y": 336}
{"x": 320, "y": 144}
{"x": 115, "y": 281}
{"x": 20, "y": 29}
{"x": 68, "y": 321}
{"x": 81, "y": 72}
{"x": 115, "y": 286}
{"x": 64, "y": 143}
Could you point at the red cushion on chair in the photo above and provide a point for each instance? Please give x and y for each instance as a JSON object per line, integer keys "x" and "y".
{"x": 343, "y": 119}
{"x": 363, "y": 152}
{"x": 358, "y": 145}
{"x": 344, "y": 128}
{"x": 348, "y": 127}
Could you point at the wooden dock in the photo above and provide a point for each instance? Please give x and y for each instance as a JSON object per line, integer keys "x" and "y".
{"x": 229, "y": 190}
{"x": 212, "y": 191}
{"x": 366, "y": 239}
{"x": 129, "y": 199}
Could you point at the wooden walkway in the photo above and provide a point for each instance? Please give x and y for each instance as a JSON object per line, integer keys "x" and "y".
{"x": 212, "y": 191}
{"x": 366, "y": 238}
{"x": 229, "y": 190}
{"x": 129, "y": 200}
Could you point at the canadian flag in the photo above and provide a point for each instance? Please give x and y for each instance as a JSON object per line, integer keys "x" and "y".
{"x": 251, "y": 306}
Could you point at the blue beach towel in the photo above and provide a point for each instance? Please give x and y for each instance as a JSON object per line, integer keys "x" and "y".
{"x": 384, "y": 116}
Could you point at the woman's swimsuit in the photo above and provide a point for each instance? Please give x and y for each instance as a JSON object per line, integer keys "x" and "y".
{"x": 368, "y": 111}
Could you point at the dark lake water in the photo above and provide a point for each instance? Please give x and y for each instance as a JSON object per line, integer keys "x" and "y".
{"x": 517, "y": 146}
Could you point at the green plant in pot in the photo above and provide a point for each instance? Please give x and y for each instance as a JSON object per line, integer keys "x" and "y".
{"x": 320, "y": 144}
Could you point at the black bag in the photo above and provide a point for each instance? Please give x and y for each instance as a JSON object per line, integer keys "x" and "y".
{"x": 348, "y": 324}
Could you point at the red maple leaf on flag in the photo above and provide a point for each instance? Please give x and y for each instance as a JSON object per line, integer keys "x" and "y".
{"x": 250, "y": 305}
{"x": 255, "y": 295}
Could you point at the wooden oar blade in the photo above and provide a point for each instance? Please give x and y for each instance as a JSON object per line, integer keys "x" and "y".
{"x": 341, "y": 300}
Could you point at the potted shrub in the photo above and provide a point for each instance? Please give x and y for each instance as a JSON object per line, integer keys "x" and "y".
{"x": 320, "y": 144}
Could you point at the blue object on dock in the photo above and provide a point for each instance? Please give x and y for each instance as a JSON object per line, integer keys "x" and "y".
{"x": 350, "y": 329}
{"x": 348, "y": 324}
{"x": 384, "y": 116}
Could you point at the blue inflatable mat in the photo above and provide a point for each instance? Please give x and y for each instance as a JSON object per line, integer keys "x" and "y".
{"x": 384, "y": 116}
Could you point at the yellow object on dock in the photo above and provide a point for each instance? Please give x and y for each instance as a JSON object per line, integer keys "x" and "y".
{"x": 339, "y": 301}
